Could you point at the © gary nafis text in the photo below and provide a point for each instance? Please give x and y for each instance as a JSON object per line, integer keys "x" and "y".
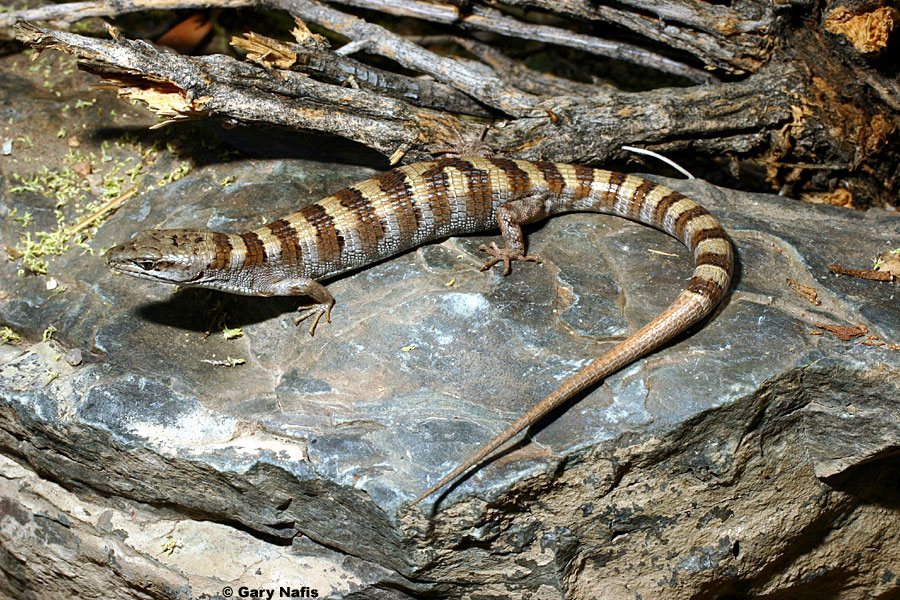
{"x": 283, "y": 592}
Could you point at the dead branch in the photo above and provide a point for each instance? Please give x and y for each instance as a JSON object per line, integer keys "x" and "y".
{"x": 487, "y": 89}
{"x": 529, "y": 80}
{"x": 564, "y": 128}
{"x": 481, "y": 18}
{"x": 179, "y": 88}
{"x": 331, "y": 67}
{"x": 816, "y": 105}
{"x": 62, "y": 15}
{"x": 733, "y": 38}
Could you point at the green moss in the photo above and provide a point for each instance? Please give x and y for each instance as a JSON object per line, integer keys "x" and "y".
{"x": 231, "y": 333}
{"x": 25, "y": 219}
{"x": 8, "y": 336}
{"x": 70, "y": 191}
{"x": 83, "y": 195}
{"x": 64, "y": 184}
{"x": 181, "y": 171}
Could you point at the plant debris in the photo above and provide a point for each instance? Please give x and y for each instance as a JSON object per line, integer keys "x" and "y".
{"x": 861, "y": 273}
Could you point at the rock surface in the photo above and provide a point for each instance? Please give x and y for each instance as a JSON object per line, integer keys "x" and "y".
{"x": 751, "y": 458}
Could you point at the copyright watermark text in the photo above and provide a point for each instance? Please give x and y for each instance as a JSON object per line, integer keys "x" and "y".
{"x": 270, "y": 593}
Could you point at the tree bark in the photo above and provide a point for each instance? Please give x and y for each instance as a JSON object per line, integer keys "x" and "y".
{"x": 807, "y": 90}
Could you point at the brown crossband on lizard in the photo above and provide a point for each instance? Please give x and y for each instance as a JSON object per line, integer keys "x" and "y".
{"x": 421, "y": 202}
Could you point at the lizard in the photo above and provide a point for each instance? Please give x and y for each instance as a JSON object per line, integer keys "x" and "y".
{"x": 426, "y": 201}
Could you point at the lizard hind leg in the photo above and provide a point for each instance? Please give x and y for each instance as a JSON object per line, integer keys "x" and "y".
{"x": 316, "y": 311}
{"x": 510, "y": 217}
{"x": 322, "y": 304}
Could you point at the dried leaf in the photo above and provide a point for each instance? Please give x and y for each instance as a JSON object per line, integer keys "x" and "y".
{"x": 187, "y": 35}
{"x": 844, "y": 333}
{"x": 805, "y": 291}
{"x": 868, "y": 32}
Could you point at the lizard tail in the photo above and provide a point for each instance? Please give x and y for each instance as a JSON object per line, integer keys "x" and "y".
{"x": 684, "y": 312}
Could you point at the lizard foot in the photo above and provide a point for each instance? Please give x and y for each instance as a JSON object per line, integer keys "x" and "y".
{"x": 316, "y": 311}
{"x": 506, "y": 255}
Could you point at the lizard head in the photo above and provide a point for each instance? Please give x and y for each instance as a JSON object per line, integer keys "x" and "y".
{"x": 179, "y": 256}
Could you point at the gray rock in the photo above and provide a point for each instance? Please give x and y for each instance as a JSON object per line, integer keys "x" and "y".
{"x": 749, "y": 458}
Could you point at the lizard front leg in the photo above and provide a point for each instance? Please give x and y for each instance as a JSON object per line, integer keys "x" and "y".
{"x": 511, "y": 216}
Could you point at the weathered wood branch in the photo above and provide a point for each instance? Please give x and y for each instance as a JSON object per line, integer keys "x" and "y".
{"x": 332, "y": 67}
{"x": 733, "y": 38}
{"x": 564, "y": 128}
{"x": 487, "y": 89}
{"x": 481, "y": 18}
{"x": 61, "y": 15}
{"x": 179, "y": 87}
{"x": 718, "y": 119}
{"x": 529, "y": 80}
{"x": 824, "y": 93}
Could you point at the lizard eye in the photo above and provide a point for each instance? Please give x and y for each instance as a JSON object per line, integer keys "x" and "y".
{"x": 146, "y": 265}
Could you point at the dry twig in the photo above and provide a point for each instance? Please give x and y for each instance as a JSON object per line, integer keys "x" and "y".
{"x": 861, "y": 273}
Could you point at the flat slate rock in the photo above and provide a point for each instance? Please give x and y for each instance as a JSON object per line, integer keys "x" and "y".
{"x": 750, "y": 458}
{"x": 326, "y": 439}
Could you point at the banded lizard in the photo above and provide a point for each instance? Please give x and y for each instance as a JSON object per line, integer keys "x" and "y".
{"x": 421, "y": 202}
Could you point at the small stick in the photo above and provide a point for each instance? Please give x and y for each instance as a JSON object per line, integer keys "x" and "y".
{"x": 661, "y": 253}
{"x": 861, "y": 273}
{"x": 824, "y": 167}
{"x": 107, "y": 207}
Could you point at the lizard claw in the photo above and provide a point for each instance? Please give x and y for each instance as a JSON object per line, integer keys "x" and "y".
{"x": 506, "y": 255}
{"x": 316, "y": 311}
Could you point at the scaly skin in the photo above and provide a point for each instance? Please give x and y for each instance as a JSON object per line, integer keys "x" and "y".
{"x": 418, "y": 203}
